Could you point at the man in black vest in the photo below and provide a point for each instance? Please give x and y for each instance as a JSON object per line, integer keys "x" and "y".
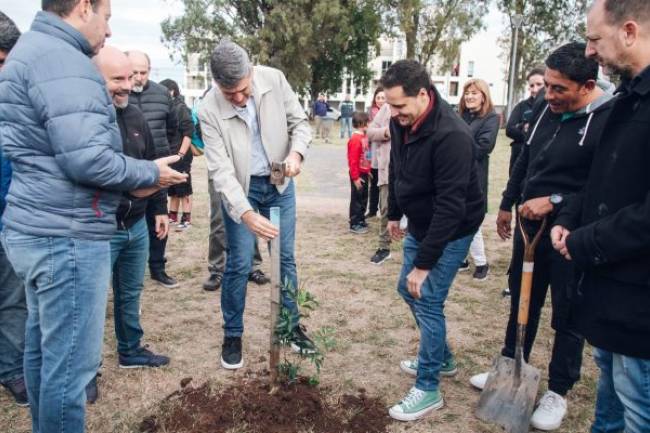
{"x": 605, "y": 230}
{"x": 156, "y": 105}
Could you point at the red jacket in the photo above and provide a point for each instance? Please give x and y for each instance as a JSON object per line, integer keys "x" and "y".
{"x": 358, "y": 155}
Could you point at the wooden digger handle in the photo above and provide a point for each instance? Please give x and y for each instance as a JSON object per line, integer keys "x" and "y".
{"x": 527, "y": 271}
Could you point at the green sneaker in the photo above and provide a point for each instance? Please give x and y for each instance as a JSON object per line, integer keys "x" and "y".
{"x": 416, "y": 405}
{"x": 410, "y": 366}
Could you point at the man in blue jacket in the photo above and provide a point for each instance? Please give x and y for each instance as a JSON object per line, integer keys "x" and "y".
{"x": 58, "y": 130}
{"x": 13, "y": 310}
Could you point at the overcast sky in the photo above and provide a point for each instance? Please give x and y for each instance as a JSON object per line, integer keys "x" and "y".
{"x": 136, "y": 25}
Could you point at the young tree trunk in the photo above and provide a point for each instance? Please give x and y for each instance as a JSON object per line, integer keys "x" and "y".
{"x": 276, "y": 285}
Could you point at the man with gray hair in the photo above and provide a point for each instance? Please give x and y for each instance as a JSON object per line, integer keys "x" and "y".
{"x": 249, "y": 119}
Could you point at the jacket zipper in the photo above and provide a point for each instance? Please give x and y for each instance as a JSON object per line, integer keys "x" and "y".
{"x": 128, "y": 211}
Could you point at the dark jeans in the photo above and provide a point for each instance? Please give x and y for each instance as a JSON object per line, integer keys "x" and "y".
{"x": 550, "y": 268}
{"x": 129, "y": 249}
{"x": 156, "y": 246}
{"x": 13, "y": 315}
{"x": 373, "y": 195}
{"x": 358, "y": 201}
{"x": 262, "y": 196}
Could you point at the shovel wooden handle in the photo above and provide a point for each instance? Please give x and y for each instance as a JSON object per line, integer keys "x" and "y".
{"x": 527, "y": 270}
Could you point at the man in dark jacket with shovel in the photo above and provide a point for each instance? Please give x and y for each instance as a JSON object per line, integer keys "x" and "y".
{"x": 553, "y": 164}
{"x": 433, "y": 181}
{"x": 605, "y": 230}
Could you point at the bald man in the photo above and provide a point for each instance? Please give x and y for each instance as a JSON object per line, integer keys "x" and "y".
{"x": 157, "y": 106}
{"x": 130, "y": 243}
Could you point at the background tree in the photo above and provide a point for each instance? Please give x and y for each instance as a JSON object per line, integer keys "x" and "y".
{"x": 314, "y": 42}
{"x": 435, "y": 29}
{"x": 547, "y": 25}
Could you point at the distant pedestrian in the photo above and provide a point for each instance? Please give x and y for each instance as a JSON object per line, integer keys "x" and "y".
{"x": 521, "y": 116}
{"x": 180, "y": 196}
{"x": 477, "y": 111}
{"x": 346, "y": 109}
{"x": 359, "y": 169}
{"x": 320, "y": 117}
{"x": 379, "y": 136}
{"x": 378, "y": 101}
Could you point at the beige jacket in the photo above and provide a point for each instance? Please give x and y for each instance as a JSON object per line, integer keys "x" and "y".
{"x": 283, "y": 125}
{"x": 377, "y": 131}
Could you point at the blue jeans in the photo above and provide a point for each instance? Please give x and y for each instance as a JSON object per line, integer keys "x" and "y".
{"x": 129, "y": 252}
{"x": 262, "y": 195}
{"x": 429, "y": 309}
{"x": 623, "y": 400}
{"x": 346, "y": 125}
{"x": 13, "y": 314}
{"x": 65, "y": 283}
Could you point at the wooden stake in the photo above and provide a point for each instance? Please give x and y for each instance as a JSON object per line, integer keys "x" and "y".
{"x": 276, "y": 285}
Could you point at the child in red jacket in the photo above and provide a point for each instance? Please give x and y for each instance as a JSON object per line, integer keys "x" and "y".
{"x": 359, "y": 163}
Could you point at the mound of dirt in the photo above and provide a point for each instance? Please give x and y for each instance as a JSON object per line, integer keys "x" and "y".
{"x": 252, "y": 405}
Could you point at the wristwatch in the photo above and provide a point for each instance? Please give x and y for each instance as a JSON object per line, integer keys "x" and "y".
{"x": 556, "y": 199}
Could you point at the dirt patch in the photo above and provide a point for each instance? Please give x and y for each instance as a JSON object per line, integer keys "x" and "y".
{"x": 252, "y": 404}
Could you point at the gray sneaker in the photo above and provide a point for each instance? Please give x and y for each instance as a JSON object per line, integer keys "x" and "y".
{"x": 358, "y": 229}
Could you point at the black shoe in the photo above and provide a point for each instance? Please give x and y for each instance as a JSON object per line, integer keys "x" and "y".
{"x": 381, "y": 255}
{"x": 18, "y": 391}
{"x": 358, "y": 229}
{"x": 165, "y": 280}
{"x": 505, "y": 292}
{"x": 231, "y": 358}
{"x": 258, "y": 278}
{"x": 142, "y": 357}
{"x": 300, "y": 343}
{"x": 481, "y": 272}
{"x": 464, "y": 266}
{"x": 213, "y": 282}
{"x": 92, "y": 390}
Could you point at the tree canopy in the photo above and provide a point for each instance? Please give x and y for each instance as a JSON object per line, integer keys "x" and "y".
{"x": 314, "y": 42}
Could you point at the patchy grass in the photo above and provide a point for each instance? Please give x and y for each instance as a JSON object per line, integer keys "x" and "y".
{"x": 372, "y": 326}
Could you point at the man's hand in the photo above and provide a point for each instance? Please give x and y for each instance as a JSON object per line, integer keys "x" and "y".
{"x": 414, "y": 281}
{"x": 559, "y": 236}
{"x": 536, "y": 208}
{"x": 169, "y": 176}
{"x": 358, "y": 184}
{"x": 145, "y": 192}
{"x": 394, "y": 231}
{"x": 259, "y": 225}
{"x": 504, "y": 224}
{"x": 293, "y": 164}
{"x": 162, "y": 226}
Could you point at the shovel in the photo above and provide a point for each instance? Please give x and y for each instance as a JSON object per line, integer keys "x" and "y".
{"x": 508, "y": 398}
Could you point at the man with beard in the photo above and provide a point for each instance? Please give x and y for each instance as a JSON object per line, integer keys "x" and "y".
{"x": 130, "y": 244}
{"x": 605, "y": 230}
{"x": 553, "y": 164}
{"x": 154, "y": 102}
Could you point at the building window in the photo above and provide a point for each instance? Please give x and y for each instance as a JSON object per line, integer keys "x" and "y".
{"x": 453, "y": 88}
{"x": 385, "y": 64}
{"x": 470, "y": 69}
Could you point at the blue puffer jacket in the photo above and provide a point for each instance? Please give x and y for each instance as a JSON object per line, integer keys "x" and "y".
{"x": 58, "y": 129}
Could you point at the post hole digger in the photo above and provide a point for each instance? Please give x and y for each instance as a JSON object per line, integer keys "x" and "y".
{"x": 508, "y": 398}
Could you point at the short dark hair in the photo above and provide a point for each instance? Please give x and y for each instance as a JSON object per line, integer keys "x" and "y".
{"x": 63, "y": 8}
{"x": 171, "y": 85}
{"x": 9, "y": 33}
{"x": 570, "y": 61}
{"x": 535, "y": 71}
{"x": 359, "y": 119}
{"x": 619, "y": 11}
{"x": 409, "y": 74}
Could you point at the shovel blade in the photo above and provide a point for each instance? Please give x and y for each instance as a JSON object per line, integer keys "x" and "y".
{"x": 508, "y": 400}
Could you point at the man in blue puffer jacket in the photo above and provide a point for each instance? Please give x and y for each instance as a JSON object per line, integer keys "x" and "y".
{"x": 58, "y": 130}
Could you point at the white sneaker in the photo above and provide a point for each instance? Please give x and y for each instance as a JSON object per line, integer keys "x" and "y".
{"x": 549, "y": 412}
{"x": 478, "y": 380}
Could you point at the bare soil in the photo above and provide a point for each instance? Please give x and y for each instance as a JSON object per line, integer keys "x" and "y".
{"x": 374, "y": 330}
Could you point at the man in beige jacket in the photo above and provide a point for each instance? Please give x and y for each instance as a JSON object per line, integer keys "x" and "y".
{"x": 250, "y": 119}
